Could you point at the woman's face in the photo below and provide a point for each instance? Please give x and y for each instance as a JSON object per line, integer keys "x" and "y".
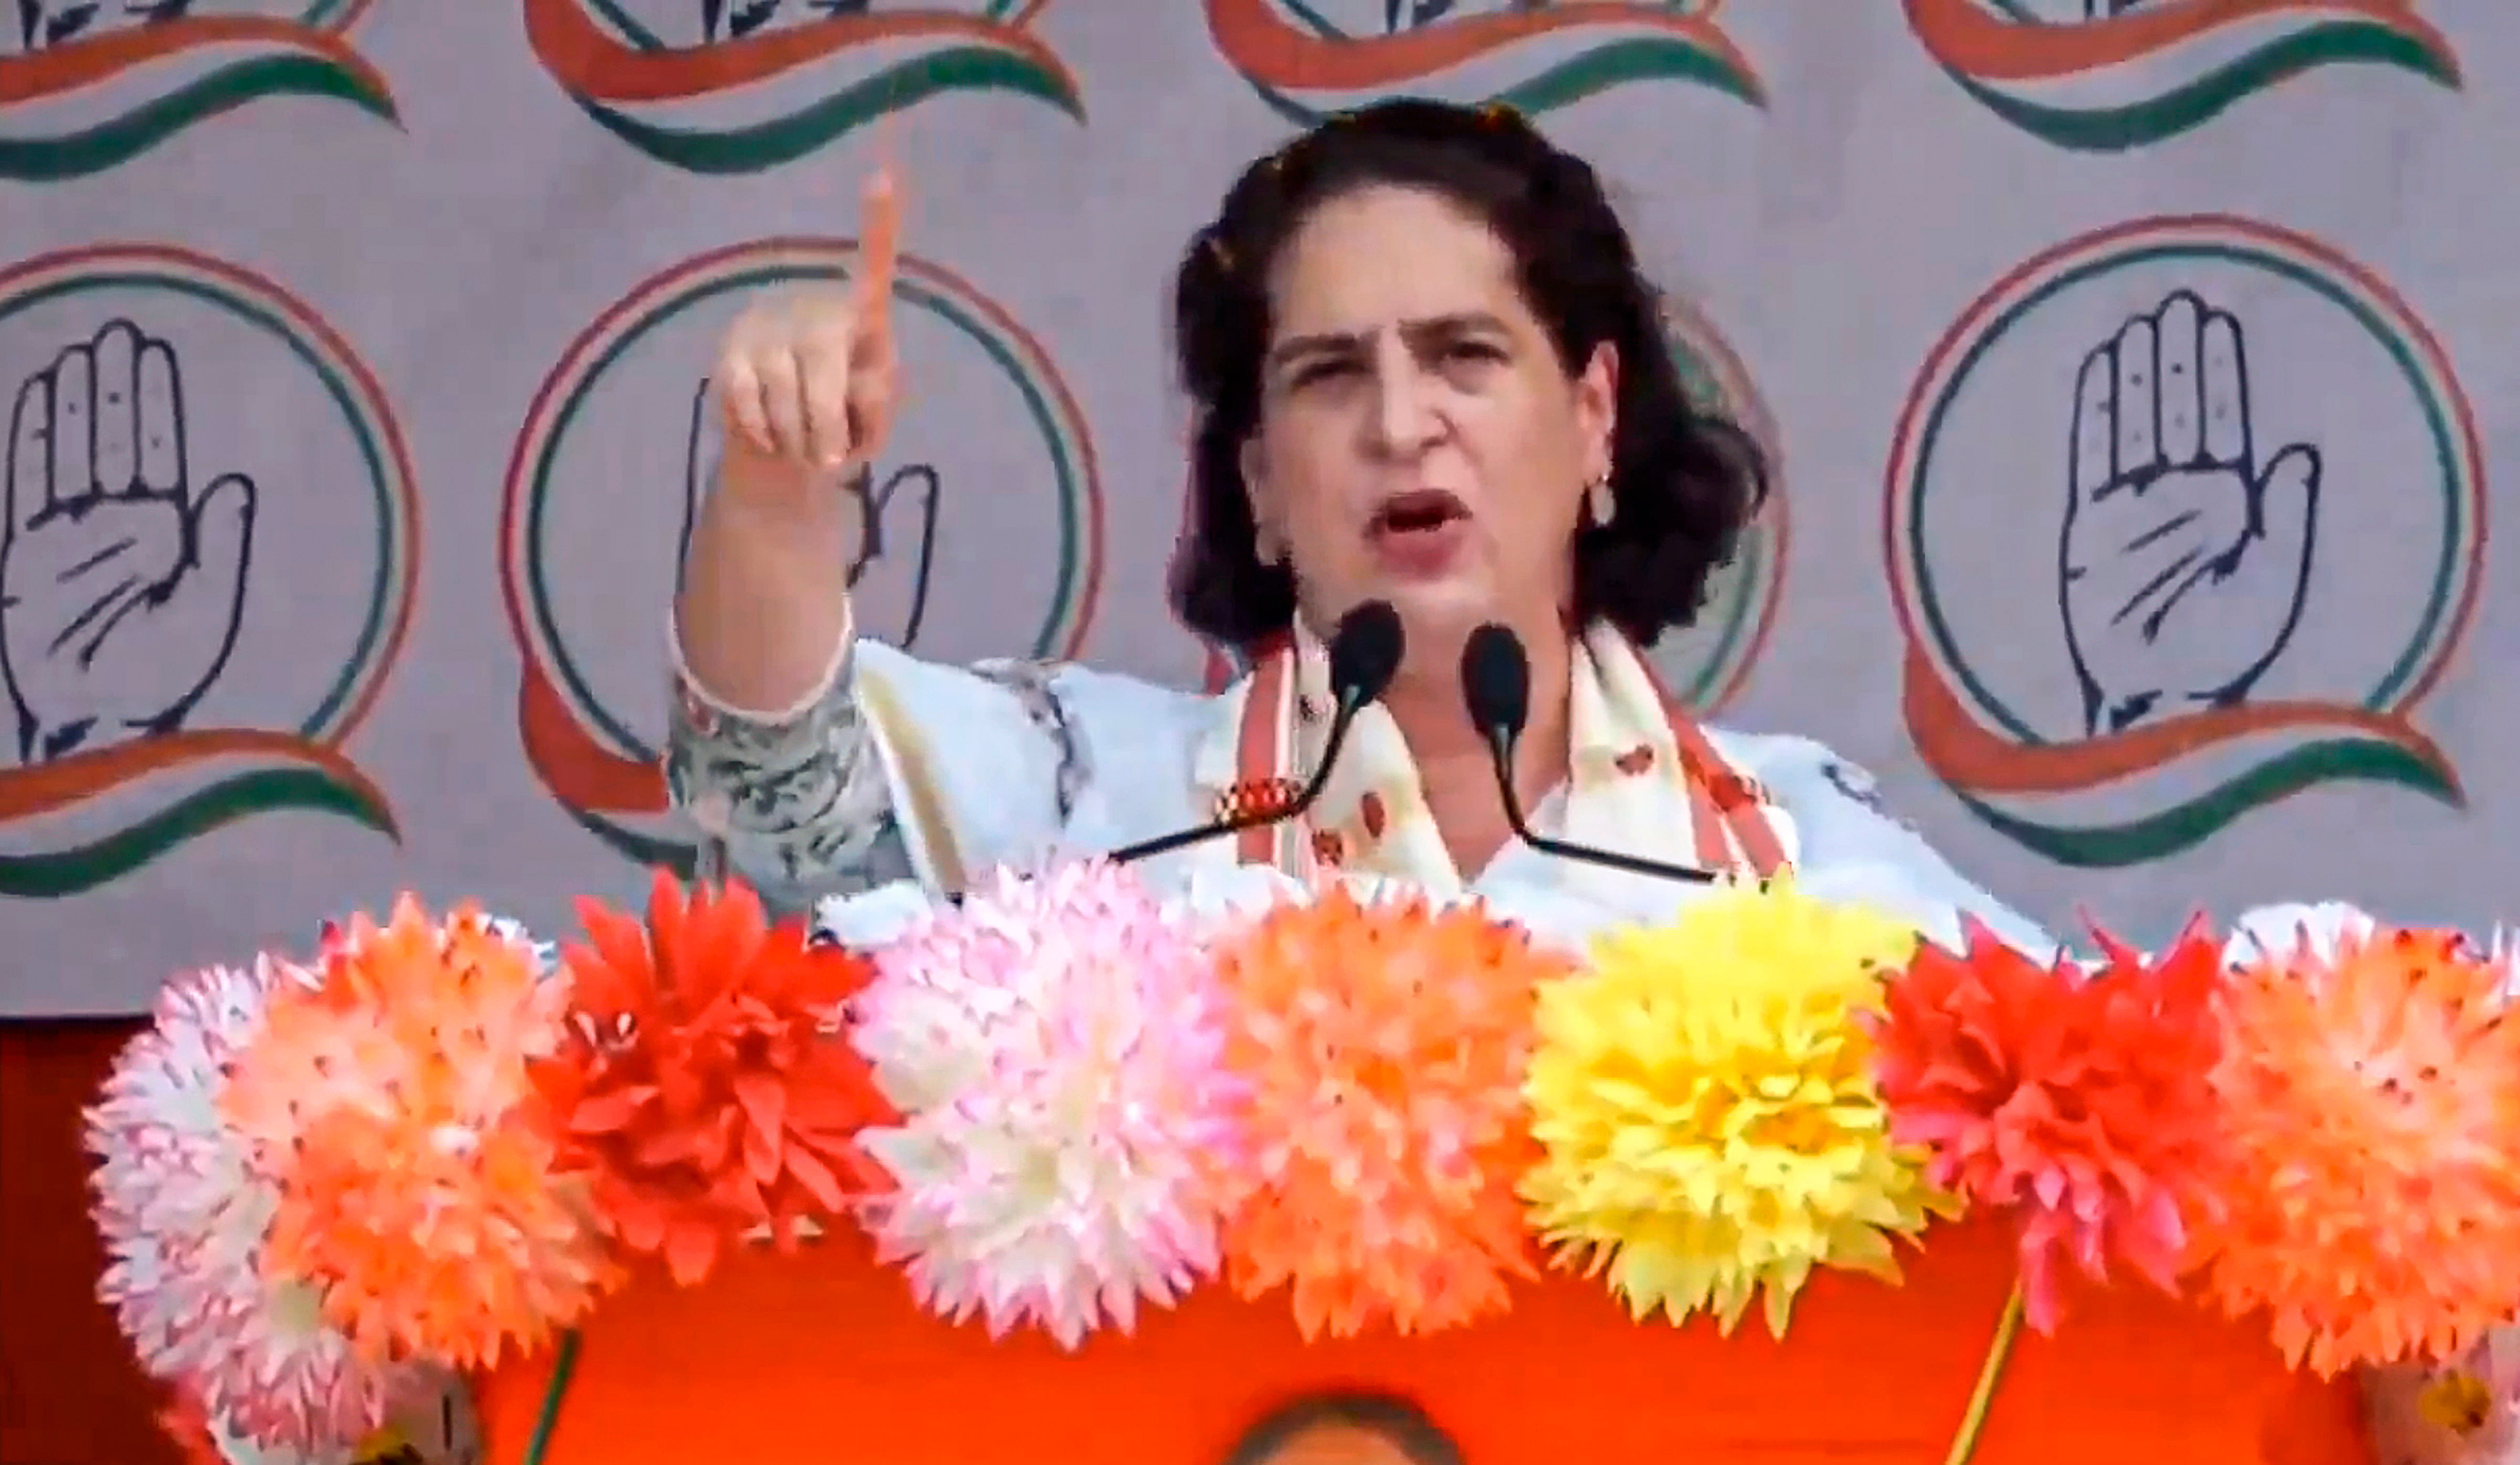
{"x": 1420, "y": 442}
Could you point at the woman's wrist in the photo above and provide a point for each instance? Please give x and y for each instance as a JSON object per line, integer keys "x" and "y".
{"x": 782, "y": 500}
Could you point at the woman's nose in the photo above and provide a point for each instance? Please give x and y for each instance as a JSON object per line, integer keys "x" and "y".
{"x": 1405, "y": 418}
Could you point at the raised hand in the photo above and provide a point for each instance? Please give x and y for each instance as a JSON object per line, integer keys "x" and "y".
{"x": 805, "y": 379}
{"x": 121, "y": 584}
{"x": 802, "y": 389}
{"x": 897, "y": 520}
{"x": 2185, "y": 557}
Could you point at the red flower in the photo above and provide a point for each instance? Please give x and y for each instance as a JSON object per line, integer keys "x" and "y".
{"x": 706, "y": 1086}
{"x": 2081, "y": 1101}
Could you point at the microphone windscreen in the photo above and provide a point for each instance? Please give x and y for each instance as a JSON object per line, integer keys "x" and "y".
{"x": 1496, "y": 681}
{"x": 1364, "y": 652}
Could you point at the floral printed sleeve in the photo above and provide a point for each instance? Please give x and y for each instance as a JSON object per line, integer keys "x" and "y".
{"x": 795, "y": 803}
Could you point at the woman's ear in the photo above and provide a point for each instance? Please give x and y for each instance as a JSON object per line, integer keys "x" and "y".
{"x": 1255, "y": 472}
{"x": 1596, "y": 409}
{"x": 1268, "y": 536}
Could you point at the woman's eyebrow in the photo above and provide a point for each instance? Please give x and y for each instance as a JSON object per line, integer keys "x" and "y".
{"x": 1418, "y": 333}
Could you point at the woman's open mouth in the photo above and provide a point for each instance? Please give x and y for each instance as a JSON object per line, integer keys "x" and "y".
{"x": 1419, "y": 532}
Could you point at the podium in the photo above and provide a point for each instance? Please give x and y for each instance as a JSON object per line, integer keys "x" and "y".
{"x": 822, "y": 1357}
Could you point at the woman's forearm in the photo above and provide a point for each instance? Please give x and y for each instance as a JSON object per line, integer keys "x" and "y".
{"x": 767, "y": 747}
{"x": 764, "y": 613}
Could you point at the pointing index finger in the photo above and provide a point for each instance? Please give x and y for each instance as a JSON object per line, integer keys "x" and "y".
{"x": 879, "y": 255}
{"x": 878, "y": 243}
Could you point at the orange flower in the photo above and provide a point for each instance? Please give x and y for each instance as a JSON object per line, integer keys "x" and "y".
{"x": 706, "y": 1086}
{"x": 418, "y": 1194}
{"x": 1384, "y": 1048}
{"x": 2372, "y": 1098}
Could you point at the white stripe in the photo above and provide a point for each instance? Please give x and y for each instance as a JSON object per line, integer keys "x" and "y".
{"x": 787, "y": 93}
{"x": 2158, "y": 74}
{"x": 1491, "y": 73}
{"x": 121, "y": 91}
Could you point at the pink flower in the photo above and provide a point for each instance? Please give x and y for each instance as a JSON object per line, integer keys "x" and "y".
{"x": 1054, "y": 1045}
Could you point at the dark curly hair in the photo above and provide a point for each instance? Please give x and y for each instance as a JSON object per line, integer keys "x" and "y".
{"x": 1687, "y": 481}
{"x": 1395, "y": 1419}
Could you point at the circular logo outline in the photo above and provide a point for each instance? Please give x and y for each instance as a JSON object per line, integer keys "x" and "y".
{"x": 2306, "y": 261}
{"x": 1697, "y": 347}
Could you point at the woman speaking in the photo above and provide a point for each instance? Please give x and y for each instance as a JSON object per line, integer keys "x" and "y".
{"x": 1428, "y": 375}
{"x": 1445, "y": 489}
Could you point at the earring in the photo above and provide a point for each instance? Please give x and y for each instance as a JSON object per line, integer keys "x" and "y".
{"x": 1599, "y": 503}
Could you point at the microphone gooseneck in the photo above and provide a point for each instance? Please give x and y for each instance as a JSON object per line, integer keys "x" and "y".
{"x": 1496, "y": 691}
{"x": 1365, "y": 654}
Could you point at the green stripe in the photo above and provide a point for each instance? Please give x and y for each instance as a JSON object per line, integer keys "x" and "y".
{"x": 2143, "y": 124}
{"x": 783, "y": 140}
{"x": 110, "y": 143}
{"x": 1598, "y": 71}
{"x": 2183, "y": 827}
{"x": 75, "y": 871}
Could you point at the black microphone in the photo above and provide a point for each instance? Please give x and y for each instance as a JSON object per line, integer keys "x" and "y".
{"x": 1365, "y": 654}
{"x": 1496, "y": 686}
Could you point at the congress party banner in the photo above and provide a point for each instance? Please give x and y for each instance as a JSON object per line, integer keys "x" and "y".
{"x": 2138, "y": 375}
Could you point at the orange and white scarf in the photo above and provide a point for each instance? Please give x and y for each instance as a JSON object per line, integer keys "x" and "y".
{"x": 1643, "y": 778}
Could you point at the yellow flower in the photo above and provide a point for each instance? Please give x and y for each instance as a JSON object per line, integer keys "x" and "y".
{"x": 2459, "y": 1401}
{"x": 386, "y": 1446}
{"x": 1704, "y": 1098}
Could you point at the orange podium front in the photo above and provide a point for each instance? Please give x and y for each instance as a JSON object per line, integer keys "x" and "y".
{"x": 825, "y": 1356}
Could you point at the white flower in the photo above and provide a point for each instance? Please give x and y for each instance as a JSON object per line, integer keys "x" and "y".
{"x": 2277, "y": 933}
{"x": 1054, "y": 1047}
{"x": 183, "y": 1212}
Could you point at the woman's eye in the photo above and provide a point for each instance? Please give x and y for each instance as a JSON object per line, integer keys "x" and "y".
{"x": 1472, "y": 350}
{"x": 1324, "y": 371}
